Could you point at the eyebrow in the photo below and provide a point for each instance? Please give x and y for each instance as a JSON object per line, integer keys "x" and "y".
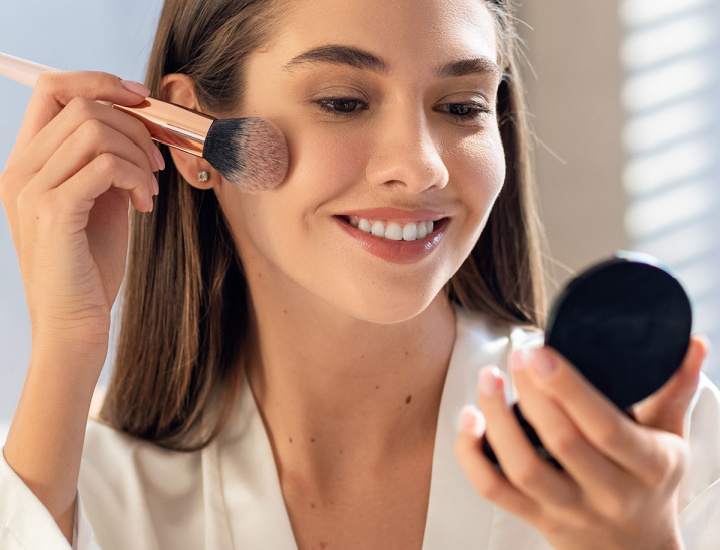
{"x": 360, "y": 59}
{"x": 340, "y": 55}
{"x": 466, "y": 67}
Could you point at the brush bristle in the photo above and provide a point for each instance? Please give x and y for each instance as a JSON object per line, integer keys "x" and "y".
{"x": 251, "y": 153}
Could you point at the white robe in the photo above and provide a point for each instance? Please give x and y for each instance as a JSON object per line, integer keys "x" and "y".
{"x": 135, "y": 495}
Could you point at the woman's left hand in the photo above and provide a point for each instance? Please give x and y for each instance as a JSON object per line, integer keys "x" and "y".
{"x": 619, "y": 485}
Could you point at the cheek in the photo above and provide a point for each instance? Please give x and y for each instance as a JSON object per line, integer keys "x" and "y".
{"x": 325, "y": 161}
{"x": 477, "y": 167}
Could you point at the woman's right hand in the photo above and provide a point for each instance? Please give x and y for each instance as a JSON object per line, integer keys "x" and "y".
{"x": 74, "y": 169}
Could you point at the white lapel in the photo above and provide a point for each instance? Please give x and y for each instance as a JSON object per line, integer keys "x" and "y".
{"x": 458, "y": 518}
{"x": 253, "y": 508}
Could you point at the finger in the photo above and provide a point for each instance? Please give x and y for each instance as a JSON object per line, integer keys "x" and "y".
{"x": 91, "y": 140}
{"x": 55, "y": 89}
{"x": 519, "y": 460}
{"x": 74, "y": 116}
{"x": 67, "y": 209}
{"x": 666, "y": 409}
{"x": 608, "y": 429}
{"x": 483, "y": 475}
{"x": 600, "y": 479}
{"x": 78, "y": 194}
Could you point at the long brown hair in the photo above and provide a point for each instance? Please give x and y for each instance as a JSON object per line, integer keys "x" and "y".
{"x": 185, "y": 306}
{"x": 502, "y": 278}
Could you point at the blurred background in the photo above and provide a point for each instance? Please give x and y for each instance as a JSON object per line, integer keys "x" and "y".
{"x": 624, "y": 97}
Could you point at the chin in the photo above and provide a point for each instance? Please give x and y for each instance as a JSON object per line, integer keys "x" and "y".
{"x": 388, "y": 307}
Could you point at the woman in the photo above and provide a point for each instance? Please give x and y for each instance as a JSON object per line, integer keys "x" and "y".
{"x": 285, "y": 379}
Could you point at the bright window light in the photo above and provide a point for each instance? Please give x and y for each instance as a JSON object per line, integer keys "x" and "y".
{"x": 671, "y": 97}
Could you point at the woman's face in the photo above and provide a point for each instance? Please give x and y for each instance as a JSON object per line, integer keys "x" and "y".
{"x": 388, "y": 111}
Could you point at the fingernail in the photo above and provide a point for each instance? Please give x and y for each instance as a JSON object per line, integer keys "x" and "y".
{"x": 472, "y": 420}
{"x": 467, "y": 419}
{"x": 156, "y": 187}
{"x": 543, "y": 363}
{"x": 159, "y": 158}
{"x": 135, "y": 87}
{"x": 489, "y": 380}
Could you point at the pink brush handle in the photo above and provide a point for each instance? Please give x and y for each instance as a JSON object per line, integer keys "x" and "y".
{"x": 24, "y": 72}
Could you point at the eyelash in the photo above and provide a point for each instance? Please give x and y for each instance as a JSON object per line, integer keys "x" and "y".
{"x": 328, "y": 103}
{"x": 476, "y": 111}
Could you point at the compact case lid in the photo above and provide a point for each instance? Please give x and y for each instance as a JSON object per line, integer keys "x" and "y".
{"x": 625, "y": 324}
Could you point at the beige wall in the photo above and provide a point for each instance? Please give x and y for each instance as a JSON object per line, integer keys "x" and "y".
{"x": 573, "y": 47}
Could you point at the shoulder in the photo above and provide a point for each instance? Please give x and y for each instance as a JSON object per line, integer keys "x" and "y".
{"x": 119, "y": 469}
{"x": 125, "y": 480}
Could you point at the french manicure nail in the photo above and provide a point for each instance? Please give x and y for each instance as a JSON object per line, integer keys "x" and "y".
{"x": 135, "y": 87}
{"x": 156, "y": 187}
{"x": 467, "y": 419}
{"x": 472, "y": 420}
{"x": 489, "y": 380}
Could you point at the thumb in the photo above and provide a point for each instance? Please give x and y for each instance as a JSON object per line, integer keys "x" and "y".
{"x": 666, "y": 408}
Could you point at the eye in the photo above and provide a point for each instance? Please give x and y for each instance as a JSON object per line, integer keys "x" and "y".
{"x": 341, "y": 106}
{"x": 465, "y": 113}
{"x": 459, "y": 109}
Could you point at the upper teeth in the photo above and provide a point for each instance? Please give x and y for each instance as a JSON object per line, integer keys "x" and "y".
{"x": 394, "y": 230}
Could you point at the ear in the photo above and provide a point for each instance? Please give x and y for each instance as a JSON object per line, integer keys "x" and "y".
{"x": 180, "y": 89}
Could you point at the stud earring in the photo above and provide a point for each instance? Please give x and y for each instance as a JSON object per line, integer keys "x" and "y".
{"x": 203, "y": 176}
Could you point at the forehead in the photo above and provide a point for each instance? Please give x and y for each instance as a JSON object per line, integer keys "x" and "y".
{"x": 422, "y": 32}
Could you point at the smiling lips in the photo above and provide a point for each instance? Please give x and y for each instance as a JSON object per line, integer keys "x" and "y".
{"x": 396, "y": 236}
{"x": 393, "y": 230}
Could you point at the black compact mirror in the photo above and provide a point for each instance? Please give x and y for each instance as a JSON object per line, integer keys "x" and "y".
{"x": 625, "y": 324}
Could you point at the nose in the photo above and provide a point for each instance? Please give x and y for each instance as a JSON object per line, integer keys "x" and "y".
{"x": 406, "y": 154}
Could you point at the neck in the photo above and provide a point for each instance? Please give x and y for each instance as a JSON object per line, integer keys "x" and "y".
{"x": 337, "y": 393}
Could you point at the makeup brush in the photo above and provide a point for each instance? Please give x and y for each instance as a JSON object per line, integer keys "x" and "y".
{"x": 250, "y": 153}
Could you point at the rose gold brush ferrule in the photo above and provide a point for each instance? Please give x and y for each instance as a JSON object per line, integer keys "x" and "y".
{"x": 172, "y": 124}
